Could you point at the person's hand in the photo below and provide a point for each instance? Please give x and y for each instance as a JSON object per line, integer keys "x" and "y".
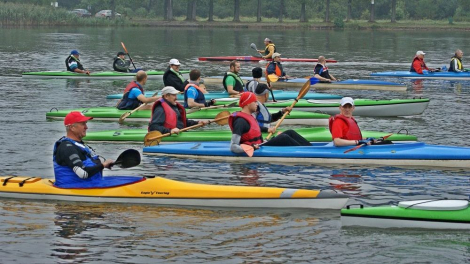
{"x": 372, "y": 140}
{"x": 364, "y": 142}
{"x": 175, "y": 131}
{"x": 87, "y": 72}
{"x": 203, "y": 123}
{"x": 209, "y": 103}
{"x": 255, "y": 146}
{"x": 272, "y": 130}
{"x": 108, "y": 163}
{"x": 287, "y": 109}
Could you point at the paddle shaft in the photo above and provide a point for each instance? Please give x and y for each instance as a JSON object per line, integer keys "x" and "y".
{"x": 124, "y": 47}
{"x": 282, "y": 119}
{"x": 360, "y": 146}
{"x": 126, "y": 115}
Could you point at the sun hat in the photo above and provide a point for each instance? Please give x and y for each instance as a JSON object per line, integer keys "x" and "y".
{"x": 75, "y": 117}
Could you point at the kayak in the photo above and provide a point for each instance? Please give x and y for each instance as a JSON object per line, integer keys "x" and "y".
{"x": 363, "y": 107}
{"x": 278, "y": 95}
{"x": 346, "y": 84}
{"x": 113, "y": 114}
{"x": 396, "y": 154}
{"x": 252, "y": 58}
{"x": 313, "y": 134}
{"x": 95, "y": 75}
{"x": 163, "y": 191}
{"x": 431, "y": 75}
{"x": 433, "y": 214}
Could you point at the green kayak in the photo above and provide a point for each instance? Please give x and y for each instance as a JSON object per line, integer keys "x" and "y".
{"x": 363, "y": 107}
{"x": 95, "y": 75}
{"x": 112, "y": 113}
{"x": 313, "y": 134}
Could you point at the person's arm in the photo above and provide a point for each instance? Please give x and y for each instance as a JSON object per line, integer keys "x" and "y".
{"x": 175, "y": 81}
{"x": 337, "y": 134}
{"x": 158, "y": 119}
{"x": 333, "y": 77}
{"x": 190, "y": 122}
{"x": 68, "y": 155}
{"x": 147, "y": 100}
{"x": 230, "y": 83}
{"x": 192, "y": 94}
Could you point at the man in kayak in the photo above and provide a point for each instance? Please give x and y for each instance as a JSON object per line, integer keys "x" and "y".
{"x": 251, "y": 85}
{"x": 262, "y": 114}
{"x": 73, "y": 63}
{"x": 134, "y": 94}
{"x": 245, "y": 128}
{"x": 121, "y": 65}
{"x": 456, "y": 62}
{"x": 321, "y": 71}
{"x": 169, "y": 116}
{"x": 275, "y": 67}
{"x": 232, "y": 82}
{"x": 75, "y": 162}
{"x": 418, "y": 65}
{"x": 269, "y": 50}
{"x": 173, "y": 77}
{"x": 194, "y": 92}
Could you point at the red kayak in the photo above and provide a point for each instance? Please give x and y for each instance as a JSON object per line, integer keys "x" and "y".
{"x": 251, "y": 58}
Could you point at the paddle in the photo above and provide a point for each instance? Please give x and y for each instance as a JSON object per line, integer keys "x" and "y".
{"x": 128, "y": 158}
{"x": 124, "y": 47}
{"x": 253, "y": 46}
{"x": 195, "y": 109}
{"x": 127, "y": 114}
{"x": 154, "y": 137}
{"x": 364, "y": 144}
{"x": 272, "y": 78}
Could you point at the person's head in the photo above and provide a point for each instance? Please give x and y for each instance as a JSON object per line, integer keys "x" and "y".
{"x": 169, "y": 93}
{"x": 458, "y": 54}
{"x": 194, "y": 75}
{"x": 235, "y": 66}
{"x": 141, "y": 77}
{"x": 175, "y": 64}
{"x": 267, "y": 41}
{"x": 121, "y": 54}
{"x": 420, "y": 54}
{"x": 248, "y": 102}
{"x": 276, "y": 56}
{"x": 346, "y": 106}
{"x": 321, "y": 59}
{"x": 257, "y": 72}
{"x": 75, "y": 53}
{"x": 262, "y": 92}
{"x": 75, "y": 125}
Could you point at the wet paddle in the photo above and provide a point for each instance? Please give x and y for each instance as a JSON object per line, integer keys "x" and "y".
{"x": 127, "y": 114}
{"x": 253, "y": 46}
{"x": 364, "y": 144}
{"x": 154, "y": 137}
{"x": 124, "y": 47}
{"x": 128, "y": 158}
{"x": 195, "y": 109}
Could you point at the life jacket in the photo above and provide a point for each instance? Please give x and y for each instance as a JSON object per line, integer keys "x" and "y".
{"x": 129, "y": 104}
{"x": 200, "y": 99}
{"x": 263, "y": 117}
{"x": 253, "y": 136}
{"x": 423, "y": 65}
{"x": 251, "y": 86}
{"x": 266, "y": 50}
{"x": 65, "y": 176}
{"x": 354, "y": 133}
{"x": 116, "y": 60}
{"x": 170, "y": 115}
{"x": 277, "y": 69}
{"x": 79, "y": 64}
{"x": 459, "y": 64}
{"x": 238, "y": 82}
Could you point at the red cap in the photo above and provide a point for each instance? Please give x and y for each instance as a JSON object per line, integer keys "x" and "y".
{"x": 75, "y": 117}
{"x": 247, "y": 98}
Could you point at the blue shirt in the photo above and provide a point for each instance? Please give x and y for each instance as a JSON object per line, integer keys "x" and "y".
{"x": 192, "y": 93}
{"x": 134, "y": 93}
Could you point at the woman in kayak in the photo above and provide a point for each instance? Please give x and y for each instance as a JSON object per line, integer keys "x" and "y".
{"x": 134, "y": 94}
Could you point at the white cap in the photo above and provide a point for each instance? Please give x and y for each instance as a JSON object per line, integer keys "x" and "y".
{"x": 420, "y": 52}
{"x": 275, "y": 54}
{"x": 175, "y": 62}
{"x": 346, "y": 100}
{"x": 169, "y": 90}
{"x": 267, "y": 39}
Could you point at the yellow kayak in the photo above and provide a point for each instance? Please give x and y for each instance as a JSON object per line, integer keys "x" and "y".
{"x": 163, "y": 191}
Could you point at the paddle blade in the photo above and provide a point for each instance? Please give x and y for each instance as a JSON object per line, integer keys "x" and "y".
{"x": 249, "y": 150}
{"x": 222, "y": 118}
{"x": 124, "y": 47}
{"x": 253, "y": 46}
{"x": 124, "y": 116}
{"x": 313, "y": 81}
{"x": 152, "y": 138}
{"x": 128, "y": 158}
{"x": 272, "y": 78}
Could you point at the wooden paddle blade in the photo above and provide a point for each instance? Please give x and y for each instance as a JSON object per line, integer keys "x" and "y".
{"x": 222, "y": 118}
{"x": 128, "y": 158}
{"x": 124, "y": 47}
{"x": 249, "y": 150}
{"x": 272, "y": 78}
{"x": 124, "y": 116}
{"x": 152, "y": 138}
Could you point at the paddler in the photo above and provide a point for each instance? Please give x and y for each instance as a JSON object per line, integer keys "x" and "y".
{"x": 245, "y": 128}
{"x": 169, "y": 116}
{"x": 232, "y": 82}
{"x": 262, "y": 114}
{"x": 134, "y": 94}
{"x": 269, "y": 49}
{"x": 418, "y": 65}
{"x": 456, "y": 62}
{"x": 275, "y": 67}
{"x": 121, "y": 65}
{"x": 173, "y": 77}
{"x": 194, "y": 92}
{"x": 321, "y": 71}
{"x": 73, "y": 64}
{"x": 252, "y": 84}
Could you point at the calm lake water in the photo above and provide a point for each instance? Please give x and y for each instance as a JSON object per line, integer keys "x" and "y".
{"x": 59, "y": 232}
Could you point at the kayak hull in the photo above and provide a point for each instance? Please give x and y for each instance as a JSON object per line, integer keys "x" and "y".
{"x": 157, "y": 75}
{"x": 431, "y": 75}
{"x": 256, "y": 59}
{"x": 415, "y": 154}
{"x": 160, "y": 191}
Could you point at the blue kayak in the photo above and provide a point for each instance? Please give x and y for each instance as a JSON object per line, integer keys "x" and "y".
{"x": 431, "y": 75}
{"x": 278, "y": 94}
{"x": 397, "y": 154}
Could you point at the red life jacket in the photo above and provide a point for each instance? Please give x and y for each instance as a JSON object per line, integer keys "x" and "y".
{"x": 354, "y": 133}
{"x": 253, "y": 136}
{"x": 132, "y": 85}
{"x": 170, "y": 115}
{"x": 422, "y": 64}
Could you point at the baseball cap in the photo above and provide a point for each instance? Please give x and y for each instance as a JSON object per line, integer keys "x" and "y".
{"x": 257, "y": 72}
{"x": 267, "y": 39}
{"x": 75, "y": 117}
{"x": 169, "y": 90}
{"x": 246, "y": 99}
{"x": 275, "y": 54}
{"x": 121, "y": 53}
{"x": 262, "y": 89}
{"x": 420, "y": 52}
{"x": 74, "y": 52}
{"x": 175, "y": 62}
{"x": 346, "y": 100}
